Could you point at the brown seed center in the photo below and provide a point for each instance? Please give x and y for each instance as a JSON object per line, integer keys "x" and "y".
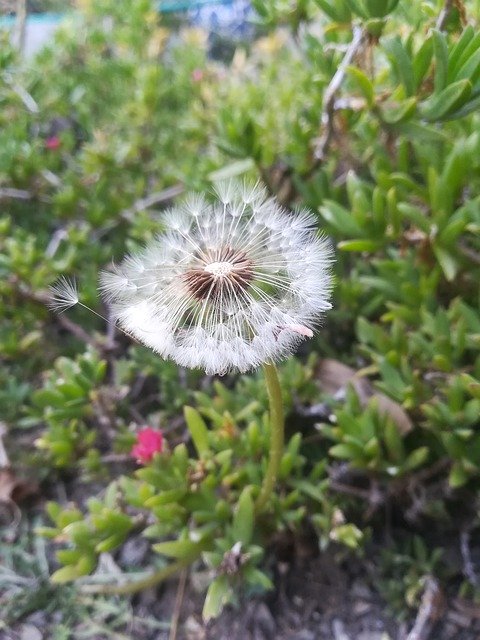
{"x": 221, "y": 274}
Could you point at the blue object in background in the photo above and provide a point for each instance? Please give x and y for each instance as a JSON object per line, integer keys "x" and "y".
{"x": 230, "y": 19}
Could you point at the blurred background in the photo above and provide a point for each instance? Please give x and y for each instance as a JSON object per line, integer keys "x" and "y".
{"x": 364, "y": 111}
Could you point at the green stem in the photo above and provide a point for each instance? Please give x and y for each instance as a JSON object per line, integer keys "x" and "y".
{"x": 276, "y": 435}
{"x": 145, "y": 583}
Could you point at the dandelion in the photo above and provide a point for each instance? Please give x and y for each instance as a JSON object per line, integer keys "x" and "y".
{"x": 226, "y": 286}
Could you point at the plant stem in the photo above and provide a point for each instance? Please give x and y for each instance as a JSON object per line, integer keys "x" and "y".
{"x": 268, "y": 485}
{"x": 276, "y": 435}
{"x": 145, "y": 583}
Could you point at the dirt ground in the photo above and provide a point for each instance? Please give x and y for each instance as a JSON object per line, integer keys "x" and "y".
{"x": 315, "y": 599}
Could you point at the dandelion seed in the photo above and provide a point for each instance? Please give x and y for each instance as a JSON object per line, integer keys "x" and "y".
{"x": 227, "y": 286}
{"x": 64, "y": 295}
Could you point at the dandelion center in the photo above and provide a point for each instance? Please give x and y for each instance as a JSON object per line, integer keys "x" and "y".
{"x": 219, "y": 269}
{"x": 221, "y": 274}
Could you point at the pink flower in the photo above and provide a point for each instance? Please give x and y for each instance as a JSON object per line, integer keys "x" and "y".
{"x": 149, "y": 442}
{"x": 197, "y": 75}
{"x": 52, "y": 143}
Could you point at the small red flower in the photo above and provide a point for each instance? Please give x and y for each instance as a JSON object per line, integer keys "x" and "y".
{"x": 149, "y": 442}
{"x": 52, "y": 143}
{"x": 197, "y": 75}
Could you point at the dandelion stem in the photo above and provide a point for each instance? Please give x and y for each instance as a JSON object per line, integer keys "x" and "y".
{"x": 276, "y": 435}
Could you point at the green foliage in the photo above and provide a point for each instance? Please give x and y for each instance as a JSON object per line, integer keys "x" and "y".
{"x": 406, "y": 569}
{"x": 204, "y": 502}
{"x": 64, "y": 404}
{"x": 364, "y": 111}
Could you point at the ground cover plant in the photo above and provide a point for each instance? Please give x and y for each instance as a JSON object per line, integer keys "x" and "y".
{"x": 364, "y": 112}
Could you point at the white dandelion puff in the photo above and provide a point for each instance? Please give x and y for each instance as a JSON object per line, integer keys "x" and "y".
{"x": 63, "y": 295}
{"x": 227, "y": 286}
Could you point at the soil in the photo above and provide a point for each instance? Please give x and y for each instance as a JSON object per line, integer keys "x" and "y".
{"x": 316, "y": 598}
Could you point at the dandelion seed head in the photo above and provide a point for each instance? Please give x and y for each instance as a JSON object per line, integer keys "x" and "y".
{"x": 226, "y": 286}
{"x": 63, "y": 295}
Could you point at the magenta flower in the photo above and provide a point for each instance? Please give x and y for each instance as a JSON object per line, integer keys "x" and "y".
{"x": 197, "y": 75}
{"x": 149, "y": 442}
{"x": 52, "y": 143}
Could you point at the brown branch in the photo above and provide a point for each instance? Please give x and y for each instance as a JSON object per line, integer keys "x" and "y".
{"x": 468, "y": 566}
{"x": 21, "y": 194}
{"x": 431, "y": 609}
{"x": 444, "y": 15}
{"x": 21, "y": 25}
{"x": 446, "y": 11}
{"x": 128, "y": 215}
{"x": 16, "y": 194}
{"x": 149, "y": 201}
{"x": 72, "y": 327}
{"x": 327, "y": 118}
{"x": 178, "y": 605}
{"x": 77, "y": 331}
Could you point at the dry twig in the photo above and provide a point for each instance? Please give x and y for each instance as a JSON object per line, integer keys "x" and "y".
{"x": 178, "y": 605}
{"x": 21, "y": 24}
{"x": 66, "y": 323}
{"x": 431, "y": 609}
{"x": 329, "y": 95}
{"x": 468, "y": 566}
{"x": 445, "y": 13}
{"x": 128, "y": 215}
{"x": 149, "y": 201}
{"x": 15, "y": 194}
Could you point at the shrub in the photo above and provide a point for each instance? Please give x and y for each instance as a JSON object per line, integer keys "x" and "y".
{"x": 366, "y": 112}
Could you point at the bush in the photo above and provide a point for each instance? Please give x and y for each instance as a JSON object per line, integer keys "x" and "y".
{"x": 364, "y": 111}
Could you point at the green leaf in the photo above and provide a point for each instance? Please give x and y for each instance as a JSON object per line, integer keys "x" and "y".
{"x": 73, "y": 571}
{"x": 341, "y": 219}
{"x": 232, "y": 170}
{"x": 345, "y": 451}
{"x": 417, "y": 131}
{"x": 402, "y": 63}
{"x": 458, "y": 476}
{"x": 472, "y": 105}
{"x": 404, "y": 111}
{"x": 440, "y": 105}
{"x": 339, "y": 13}
{"x": 465, "y": 50}
{"x": 440, "y": 49}
{"x": 176, "y": 548}
{"x": 458, "y": 50}
{"x": 471, "y": 69}
{"x": 257, "y": 578}
{"x": 422, "y": 61}
{"x": 447, "y": 261}
{"x": 472, "y": 385}
{"x": 364, "y": 84}
{"x": 357, "y": 7}
{"x": 218, "y": 595}
{"x": 198, "y": 430}
{"x": 416, "y": 458}
{"x": 369, "y": 246}
{"x": 48, "y": 398}
{"x": 347, "y": 534}
{"x": 393, "y": 442}
{"x": 243, "y": 520}
{"x": 110, "y": 543}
